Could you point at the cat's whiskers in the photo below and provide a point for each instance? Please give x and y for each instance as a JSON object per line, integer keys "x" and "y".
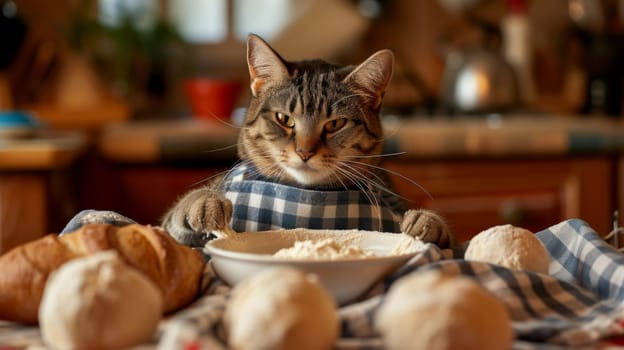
{"x": 223, "y": 148}
{"x": 375, "y": 155}
{"x": 339, "y": 180}
{"x": 378, "y": 182}
{"x": 217, "y": 174}
{"x": 268, "y": 168}
{"x": 422, "y": 188}
{"x": 262, "y": 154}
{"x": 271, "y": 170}
{"x": 235, "y": 167}
{"x": 359, "y": 182}
{"x": 260, "y": 171}
{"x": 227, "y": 173}
{"x": 363, "y": 184}
{"x": 372, "y": 183}
{"x": 224, "y": 122}
{"x": 208, "y": 178}
{"x": 278, "y": 173}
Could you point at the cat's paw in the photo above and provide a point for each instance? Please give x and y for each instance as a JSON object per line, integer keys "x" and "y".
{"x": 428, "y": 226}
{"x": 198, "y": 214}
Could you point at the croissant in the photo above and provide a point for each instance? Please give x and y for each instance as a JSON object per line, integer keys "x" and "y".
{"x": 24, "y": 270}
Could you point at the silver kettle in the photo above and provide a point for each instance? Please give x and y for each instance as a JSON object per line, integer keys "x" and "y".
{"x": 478, "y": 80}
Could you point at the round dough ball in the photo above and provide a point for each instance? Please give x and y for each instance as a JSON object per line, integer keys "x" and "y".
{"x": 99, "y": 302}
{"x": 430, "y": 311}
{"x": 509, "y": 246}
{"x": 281, "y": 308}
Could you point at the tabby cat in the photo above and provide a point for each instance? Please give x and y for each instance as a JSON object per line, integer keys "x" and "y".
{"x": 312, "y": 132}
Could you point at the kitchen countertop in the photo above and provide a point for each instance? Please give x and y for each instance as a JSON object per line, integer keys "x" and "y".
{"x": 170, "y": 140}
{"x": 44, "y": 150}
{"x": 418, "y": 137}
{"x": 496, "y": 136}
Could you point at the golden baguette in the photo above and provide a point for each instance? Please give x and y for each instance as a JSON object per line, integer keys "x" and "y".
{"x": 24, "y": 270}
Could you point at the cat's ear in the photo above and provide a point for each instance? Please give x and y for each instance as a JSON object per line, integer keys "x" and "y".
{"x": 265, "y": 65}
{"x": 373, "y": 75}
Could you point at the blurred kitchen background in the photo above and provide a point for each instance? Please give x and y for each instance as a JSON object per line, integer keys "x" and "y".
{"x": 508, "y": 111}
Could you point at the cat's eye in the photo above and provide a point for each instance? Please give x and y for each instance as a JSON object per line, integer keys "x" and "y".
{"x": 285, "y": 120}
{"x": 335, "y": 124}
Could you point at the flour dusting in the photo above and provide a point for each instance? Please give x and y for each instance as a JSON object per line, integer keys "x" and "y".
{"x": 325, "y": 249}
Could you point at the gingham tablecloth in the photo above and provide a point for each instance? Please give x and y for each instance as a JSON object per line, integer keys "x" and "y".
{"x": 579, "y": 304}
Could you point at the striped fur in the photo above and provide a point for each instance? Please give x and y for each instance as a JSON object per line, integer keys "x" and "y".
{"x": 316, "y": 95}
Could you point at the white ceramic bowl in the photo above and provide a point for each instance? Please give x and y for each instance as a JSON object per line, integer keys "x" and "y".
{"x": 243, "y": 255}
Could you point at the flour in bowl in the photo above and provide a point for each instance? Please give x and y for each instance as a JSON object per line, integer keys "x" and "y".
{"x": 325, "y": 249}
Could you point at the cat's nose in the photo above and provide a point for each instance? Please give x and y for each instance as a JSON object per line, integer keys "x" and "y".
{"x": 304, "y": 154}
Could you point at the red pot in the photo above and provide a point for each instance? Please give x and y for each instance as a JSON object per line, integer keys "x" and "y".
{"x": 212, "y": 97}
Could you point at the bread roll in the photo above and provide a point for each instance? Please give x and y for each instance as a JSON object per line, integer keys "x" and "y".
{"x": 24, "y": 270}
{"x": 509, "y": 246}
{"x": 99, "y": 302}
{"x": 281, "y": 308}
{"x": 430, "y": 311}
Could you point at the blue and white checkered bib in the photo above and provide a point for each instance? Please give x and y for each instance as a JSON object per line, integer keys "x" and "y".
{"x": 260, "y": 205}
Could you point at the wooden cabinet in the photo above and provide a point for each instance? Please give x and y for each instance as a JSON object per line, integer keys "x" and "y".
{"x": 34, "y": 203}
{"x": 23, "y": 213}
{"x": 474, "y": 194}
{"x": 36, "y": 196}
